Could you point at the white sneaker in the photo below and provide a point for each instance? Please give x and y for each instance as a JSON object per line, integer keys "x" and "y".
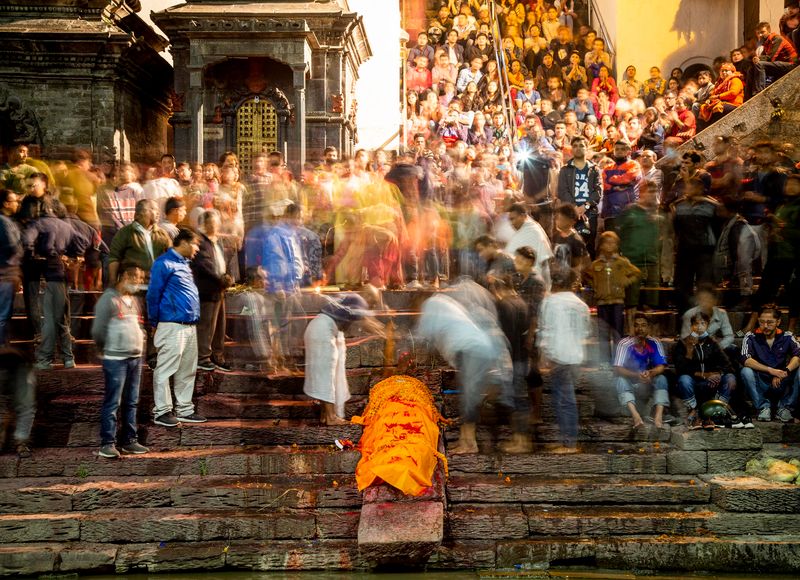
{"x": 765, "y": 414}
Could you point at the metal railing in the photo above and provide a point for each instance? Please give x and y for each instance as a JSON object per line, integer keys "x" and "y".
{"x": 597, "y": 22}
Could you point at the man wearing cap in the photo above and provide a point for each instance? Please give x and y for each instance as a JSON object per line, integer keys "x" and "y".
{"x": 326, "y": 379}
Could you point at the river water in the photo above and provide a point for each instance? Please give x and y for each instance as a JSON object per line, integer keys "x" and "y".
{"x": 554, "y": 574}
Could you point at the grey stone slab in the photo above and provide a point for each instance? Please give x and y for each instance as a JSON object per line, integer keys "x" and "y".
{"x": 463, "y": 556}
{"x": 726, "y": 461}
{"x": 719, "y": 439}
{"x": 27, "y": 559}
{"x": 480, "y": 521}
{"x": 752, "y": 494}
{"x": 338, "y": 555}
{"x": 170, "y": 557}
{"x": 612, "y": 490}
{"x": 687, "y": 462}
{"x": 39, "y": 528}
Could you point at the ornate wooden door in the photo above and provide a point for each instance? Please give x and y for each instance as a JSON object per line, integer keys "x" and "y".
{"x": 256, "y": 130}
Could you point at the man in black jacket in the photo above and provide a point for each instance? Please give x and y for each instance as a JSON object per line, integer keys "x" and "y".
{"x": 702, "y": 366}
{"x": 53, "y": 242}
{"x": 580, "y": 183}
{"x": 210, "y": 269}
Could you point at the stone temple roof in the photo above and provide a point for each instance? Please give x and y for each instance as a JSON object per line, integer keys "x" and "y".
{"x": 320, "y": 7}
{"x": 56, "y": 26}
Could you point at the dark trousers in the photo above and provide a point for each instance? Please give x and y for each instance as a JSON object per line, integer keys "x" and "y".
{"x": 122, "y": 389}
{"x": 32, "y": 276}
{"x": 211, "y": 332}
{"x": 611, "y": 323}
{"x": 778, "y": 273}
{"x": 56, "y": 322}
{"x": 7, "y": 292}
{"x": 763, "y": 69}
{"x": 692, "y": 265}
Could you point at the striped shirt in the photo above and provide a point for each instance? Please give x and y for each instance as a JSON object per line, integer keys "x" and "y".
{"x": 630, "y": 355}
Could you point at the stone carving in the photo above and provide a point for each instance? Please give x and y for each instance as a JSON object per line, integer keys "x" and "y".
{"x": 22, "y": 121}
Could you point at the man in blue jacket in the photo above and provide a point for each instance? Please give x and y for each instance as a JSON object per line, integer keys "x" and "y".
{"x": 173, "y": 308}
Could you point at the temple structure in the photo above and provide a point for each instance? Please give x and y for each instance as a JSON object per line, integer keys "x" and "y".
{"x": 82, "y": 73}
{"x": 253, "y": 76}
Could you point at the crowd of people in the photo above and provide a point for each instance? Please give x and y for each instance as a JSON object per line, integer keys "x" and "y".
{"x": 524, "y": 222}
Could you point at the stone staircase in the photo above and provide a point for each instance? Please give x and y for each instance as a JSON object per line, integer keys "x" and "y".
{"x": 772, "y": 114}
{"x": 261, "y": 486}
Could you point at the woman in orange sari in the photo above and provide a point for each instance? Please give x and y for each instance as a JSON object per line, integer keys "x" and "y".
{"x": 727, "y": 95}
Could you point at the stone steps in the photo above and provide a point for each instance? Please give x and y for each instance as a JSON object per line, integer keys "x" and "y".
{"x": 256, "y": 492}
{"x": 123, "y": 526}
{"x": 576, "y": 490}
{"x": 773, "y": 554}
{"x": 239, "y": 460}
{"x": 216, "y": 432}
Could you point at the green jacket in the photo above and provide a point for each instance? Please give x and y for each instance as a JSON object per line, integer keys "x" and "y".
{"x": 128, "y": 247}
{"x": 640, "y": 232}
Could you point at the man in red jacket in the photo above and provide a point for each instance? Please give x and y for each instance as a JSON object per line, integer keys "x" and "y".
{"x": 775, "y": 56}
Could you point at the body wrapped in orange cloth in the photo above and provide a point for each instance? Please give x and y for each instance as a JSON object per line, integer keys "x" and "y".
{"x": 401, "y": 436}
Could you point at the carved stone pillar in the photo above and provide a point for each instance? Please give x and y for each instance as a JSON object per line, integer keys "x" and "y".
{"x": 297, "y": 145}
{"x": 196, "y": 113}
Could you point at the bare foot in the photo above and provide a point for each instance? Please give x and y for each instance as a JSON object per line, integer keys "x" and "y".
{"x": 331, "y": 421}
{"x": 564, "y": 450}
{"x": 464, "y": 448}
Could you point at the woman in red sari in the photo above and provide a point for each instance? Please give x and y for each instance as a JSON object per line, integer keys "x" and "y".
{"x": 727, "y": 95}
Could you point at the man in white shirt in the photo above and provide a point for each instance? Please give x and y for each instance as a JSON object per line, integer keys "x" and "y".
{"x": 165, "y": 186}
{"x": 563, "y": 328}
{"x": 529, "y": 233}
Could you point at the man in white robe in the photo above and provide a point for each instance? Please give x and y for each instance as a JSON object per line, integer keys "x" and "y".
{"x": 326, "y": 379}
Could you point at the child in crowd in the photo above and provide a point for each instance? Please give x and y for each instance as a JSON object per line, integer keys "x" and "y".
{"x": 568, "y": 245}
{"x": 609, "y": 275}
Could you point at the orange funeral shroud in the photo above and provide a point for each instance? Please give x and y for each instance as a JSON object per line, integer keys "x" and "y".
{"x": 401, "y": 436}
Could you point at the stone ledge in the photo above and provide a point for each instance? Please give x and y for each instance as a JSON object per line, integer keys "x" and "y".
{"x": 719, "y": 439}
{"x": 744, "y": 493}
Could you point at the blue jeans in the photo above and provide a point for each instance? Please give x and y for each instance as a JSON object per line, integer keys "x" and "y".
{"x": 757, "y": 387}
{"x": 564, "y": 404}
{"x": 627, "y": 391}
{"x": 688, "y": 386}
{"x": 122, "y": 387}
{"x": 7, "y": 291}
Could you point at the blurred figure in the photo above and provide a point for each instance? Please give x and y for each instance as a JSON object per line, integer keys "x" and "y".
{"x": 54, "y": 242}
{"x": 610, "y": 274}
{"x": 514, "y": 319}
{"x": 210, "y": 270}
{"x": 467, "y": 347}
{"x": 259, "y": 313}
{"x": 563, "y": 331}
{"x": 18, "y": 383}
{"x": 10, "y": 259}
{"x": 528, "y": 232}
{"x": 325, "y": 375}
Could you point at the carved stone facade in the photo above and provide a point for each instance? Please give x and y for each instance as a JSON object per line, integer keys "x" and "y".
{"x": 82, "y": 73}
{"x": 301, "y": 58}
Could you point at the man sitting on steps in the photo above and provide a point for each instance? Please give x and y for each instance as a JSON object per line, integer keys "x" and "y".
{"x": 770, "y": 358}
{"x": 640, "y": 362}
